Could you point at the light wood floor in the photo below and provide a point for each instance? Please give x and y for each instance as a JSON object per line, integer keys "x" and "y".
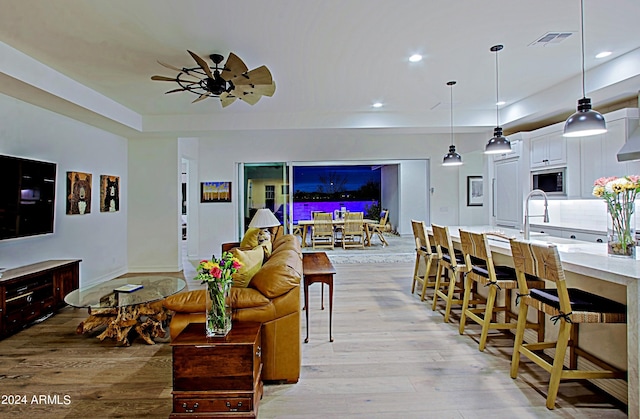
{"x": 392, "y": 358}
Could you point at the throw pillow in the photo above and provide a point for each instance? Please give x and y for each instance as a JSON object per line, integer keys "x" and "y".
{"x": 251, "y": 260}
{"x": 250, "y": 239}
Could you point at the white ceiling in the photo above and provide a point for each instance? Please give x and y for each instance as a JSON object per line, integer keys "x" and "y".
{"x": 331, "y": 59}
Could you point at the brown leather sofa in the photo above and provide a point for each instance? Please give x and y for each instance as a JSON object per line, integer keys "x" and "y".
{"x": 272, "y": 298}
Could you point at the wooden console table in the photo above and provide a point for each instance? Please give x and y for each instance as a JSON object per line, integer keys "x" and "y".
{"x": 30, "y": 292}
{"x": 217, "y": 377}
{"x": 316, "y": 267}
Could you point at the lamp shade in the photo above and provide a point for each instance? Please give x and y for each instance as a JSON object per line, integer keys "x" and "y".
{"x": 498, "y": 144}
{"x": 264, "y": 218}
{"x": 452, "y": 158}
{"x": 585, "y": 121}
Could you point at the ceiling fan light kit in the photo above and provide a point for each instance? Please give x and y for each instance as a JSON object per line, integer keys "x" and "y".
{"x": 229, "y": 82}
{"x": 452, "y": 158}
{"x": 499, "y": 143}
{"x": 585, "y": 122}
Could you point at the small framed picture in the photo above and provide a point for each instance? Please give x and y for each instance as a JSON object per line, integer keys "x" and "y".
{"x": 475, "y": 193}
{"x": 78, "y": 193}
{"x": 109, "y": 193}
{"x": 215, "y": 192}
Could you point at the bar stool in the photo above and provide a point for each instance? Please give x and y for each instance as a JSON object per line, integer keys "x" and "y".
{"x": 475, "y": 248}
{"x": 425, "y": 253}
{"x": 455, "y": 266}
{"x": 569, "y": 306}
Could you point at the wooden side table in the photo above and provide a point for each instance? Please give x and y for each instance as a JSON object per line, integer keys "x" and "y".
{"x": 316, "y": 267}
{"x": 217, "y": 377}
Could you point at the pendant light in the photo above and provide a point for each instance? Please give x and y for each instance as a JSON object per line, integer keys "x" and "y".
{"x": 585, "y": 121}
{"x": 498, "y": 144}
{"x": 452, "y": 158}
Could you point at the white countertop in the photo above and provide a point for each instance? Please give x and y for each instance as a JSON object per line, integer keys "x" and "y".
{"x": 585, "y": 258}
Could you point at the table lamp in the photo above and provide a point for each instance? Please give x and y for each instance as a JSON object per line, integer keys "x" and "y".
{"x": 264, "y": 219}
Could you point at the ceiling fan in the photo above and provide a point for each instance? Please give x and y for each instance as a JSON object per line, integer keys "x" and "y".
{"x": 229, "y": 82}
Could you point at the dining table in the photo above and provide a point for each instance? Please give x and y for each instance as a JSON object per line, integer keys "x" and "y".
{"x": 306, "y": 224}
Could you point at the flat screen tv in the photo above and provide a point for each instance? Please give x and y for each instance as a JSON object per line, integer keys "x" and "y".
{"x": 27, "y": 197}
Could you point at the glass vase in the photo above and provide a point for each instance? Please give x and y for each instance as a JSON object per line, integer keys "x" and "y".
{"x": 218, "y": 310}
{"x": 621, "y": 230}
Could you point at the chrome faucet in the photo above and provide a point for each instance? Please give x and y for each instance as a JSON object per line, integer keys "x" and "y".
{"x": 545, "y": 219}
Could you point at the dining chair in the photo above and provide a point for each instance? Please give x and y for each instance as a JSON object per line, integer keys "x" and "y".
{"x": 322, "y": 231}
{"x": 379, "y": 228}
{"x": 426, "y": 255}
{"x": 569, "y": 307}
{"x": 477, "y": 253}
{"x": 452, "y": 261}
{"x": 353, "y": 230}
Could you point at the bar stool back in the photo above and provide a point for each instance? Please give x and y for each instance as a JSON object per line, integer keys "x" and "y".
{"x": 569, "y": 306}
{"x": 425, "y": 254}
{"x": 475, "y": 248}
{"x": 455, "y": 265}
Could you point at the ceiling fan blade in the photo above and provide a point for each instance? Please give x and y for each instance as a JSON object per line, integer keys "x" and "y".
{"x": 265, "y": 89}
{"x": 227, "y": 99}
{"x": 260, "y": 75}
{"x": 202, "y": 63}
{"x": 175, "y": 90}
{"x": 170, "y": 66}
{"x": 233, "y": 68}
{"x": 250, "y": 98}
{"x": 163, "y": 78}
{"x": 201, "y": 97}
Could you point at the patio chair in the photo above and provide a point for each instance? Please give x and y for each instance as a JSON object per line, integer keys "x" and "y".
{"x": 353, "y": 231}
{"x": 380, "y": 227}
{"x": 322, "y": 231}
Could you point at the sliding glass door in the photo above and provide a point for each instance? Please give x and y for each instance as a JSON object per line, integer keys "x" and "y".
{"x": 263, "y": 185}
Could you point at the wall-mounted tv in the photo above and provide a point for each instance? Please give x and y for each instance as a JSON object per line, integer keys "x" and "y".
{"x": 27, "y": 197}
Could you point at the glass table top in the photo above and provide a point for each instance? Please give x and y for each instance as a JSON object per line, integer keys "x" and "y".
{"x": 104, "y": 295}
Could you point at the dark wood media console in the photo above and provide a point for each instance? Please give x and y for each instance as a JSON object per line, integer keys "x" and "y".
{"x": 30, "y": 292}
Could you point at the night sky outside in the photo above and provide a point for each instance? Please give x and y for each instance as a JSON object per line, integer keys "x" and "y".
{"x": 307, "y": 178}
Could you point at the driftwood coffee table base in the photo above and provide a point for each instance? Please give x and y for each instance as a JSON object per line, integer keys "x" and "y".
{"x": 146, "y": 319}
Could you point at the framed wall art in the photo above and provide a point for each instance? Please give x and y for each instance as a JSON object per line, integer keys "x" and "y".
{"x": 109, "y": 193}
{"x": 475, "y": 193}
{"x": 215, "y": 192}
{"x": 78, "y": 193}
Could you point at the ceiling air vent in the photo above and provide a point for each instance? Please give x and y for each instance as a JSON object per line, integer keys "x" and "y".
{"x": 550, "y": 38}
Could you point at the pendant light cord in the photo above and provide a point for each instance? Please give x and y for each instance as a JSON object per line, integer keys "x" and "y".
{"x": 584, "y": 94}
{"x": 451, "y": 113}
{"x": 497, "y": 93}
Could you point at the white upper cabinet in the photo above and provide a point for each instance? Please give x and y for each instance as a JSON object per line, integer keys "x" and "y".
{"x": 548, "y": 150}
{"x": 598, "y": 156}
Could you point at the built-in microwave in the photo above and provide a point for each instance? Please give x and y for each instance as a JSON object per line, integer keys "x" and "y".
{"x": 551, "y": 181}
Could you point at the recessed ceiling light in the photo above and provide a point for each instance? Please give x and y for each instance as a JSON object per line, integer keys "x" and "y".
{"x": 377, "y": 105}
{"x": 415, "y": 58}
{"x": 500, "y": 103}
{"x": 603, "y": 54}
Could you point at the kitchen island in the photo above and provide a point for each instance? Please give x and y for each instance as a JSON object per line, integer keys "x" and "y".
{"x": 587, "y": 266}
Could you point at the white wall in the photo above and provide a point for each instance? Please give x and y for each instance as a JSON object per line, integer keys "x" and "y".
{"x": 155, "y": 231}
{"x": 413, "y": 194}
{"x": 474, "y": 165}
{"x": 98, "y": 238}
